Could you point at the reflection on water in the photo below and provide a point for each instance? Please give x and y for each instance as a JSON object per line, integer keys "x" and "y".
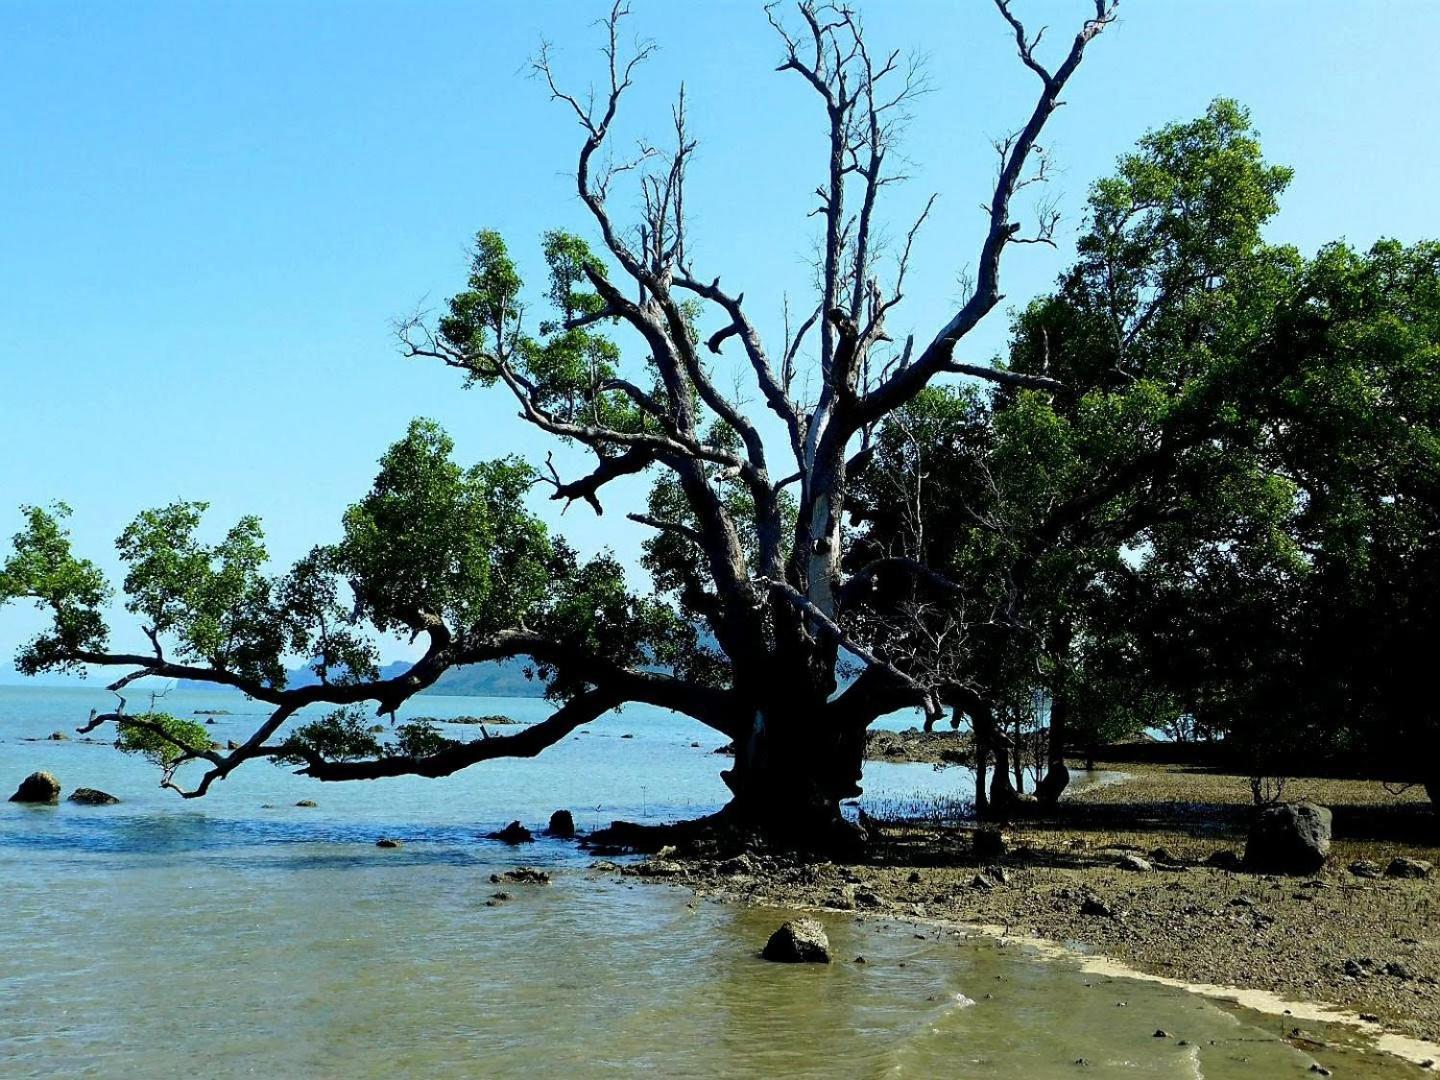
{"x": 161, "y": 938}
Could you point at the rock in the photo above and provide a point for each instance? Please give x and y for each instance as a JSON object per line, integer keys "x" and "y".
{"x": 1096, "y": 907}
{"x": 1319, "y": 1070}
{"x": 998, "y": 874}
{"x": 798, "y": 941}
{"x": 1366, "y": 868}
{"x": 867, "y": 898}
{"x": 210, "y": 721}
{"x": 1292, "y": 838}
{"x": 627, "y": 735}
{"x": 522, "y": 875}
{"x": 990, "y": 843}
{"x": 1164, "y": 855}
{"x": 739, "y": 866}
{"x": 1397, "y": 970}
{"x": 562, "y": 824}
{"x": 1223, "y": 859}
{"x": 1357, "y": 969}
{"x": 1135, "y": 863}
{"x": 514, "y": 833}
{"x": 89, "y": 796}
{"x": 308, "y": 804}
{"x": 981, "y": 882}
{"x": 1408, "y": 868}
{"x": 386, "y": 842}
{"x": 58, "y": 736}
{"x": 38, "y": 787}
{"x": 914, "y": 878}
{"x": 500, "y": 896}
{"x": 1161, "y": 1033}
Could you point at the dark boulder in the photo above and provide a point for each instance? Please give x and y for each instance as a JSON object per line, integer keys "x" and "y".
{"x": 798, "y": 941}
{"x": 90, "y": 796}
{"x": 1292, "y": 838}
{"x": 514, "y": 833}
{"x": 1408, "y": 868}
{"x": 38, "y": 787}
{"x": 562, "y": 824}
{"x": 386, "y": 842}
{"x": 1366, "y": 868}
{"x": 308, "y": 804}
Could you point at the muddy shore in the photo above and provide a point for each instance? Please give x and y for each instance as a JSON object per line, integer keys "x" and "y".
{"x": 1368, "y": 945}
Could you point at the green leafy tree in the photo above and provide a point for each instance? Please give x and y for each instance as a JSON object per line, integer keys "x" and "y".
{"x": 631, "y": 364}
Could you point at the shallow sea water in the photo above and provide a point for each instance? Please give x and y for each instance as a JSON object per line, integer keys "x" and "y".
{"x": 221, "y": 938}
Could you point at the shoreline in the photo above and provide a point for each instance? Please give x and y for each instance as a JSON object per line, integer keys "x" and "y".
{"x": 1332, "y": 948}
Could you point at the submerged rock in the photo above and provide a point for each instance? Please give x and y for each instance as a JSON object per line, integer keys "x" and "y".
{"x": 89, "y": 796}
{"x": 1409, "y": 868}
{"x": 514, "y": 833}
{"x": 58, "y": 736}
{"x": 38, "y": 787}
{"x": 562, "y": 824}
{"x": 386, "y": 842}
{"x": 798, "y": 941}
{"x": 522, "y": 875}
{"x": 1293, "y": 838}
{"x": 307, "y": 803}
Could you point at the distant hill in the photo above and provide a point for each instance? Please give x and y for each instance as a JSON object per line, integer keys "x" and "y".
{"x": 493, "y": 678}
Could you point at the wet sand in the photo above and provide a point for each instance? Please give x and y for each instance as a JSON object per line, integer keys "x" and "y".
{"x": 1369, "y": 947}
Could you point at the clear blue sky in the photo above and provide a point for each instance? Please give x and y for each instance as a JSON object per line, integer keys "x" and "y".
{"x": 210, "y": 212}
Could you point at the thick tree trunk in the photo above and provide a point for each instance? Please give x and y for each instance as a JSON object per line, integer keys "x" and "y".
{"x": 1057, "y": 774}
{"x": 791, "y": 773}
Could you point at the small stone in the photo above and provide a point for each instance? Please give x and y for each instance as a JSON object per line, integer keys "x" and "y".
{"x": 1408, "y": 868}
{"x": 89, "y": 796}
{"x": 562, "y": 824}
{"x": 798, "y": 941}
{"x": 386, "y": 842}
{"x": 1093, "y": 905}
{"x": 38, "y": 787}
{"x": 860, "y": 960}
{"x": 307, "y": 804}
{"x": 1319, "y": 1070}
{"x": 1366, "y": 868}
{"x": 514, "y": 833}
{"x": 1161, "y": 1033}
{"x": 1369, "y": 1018}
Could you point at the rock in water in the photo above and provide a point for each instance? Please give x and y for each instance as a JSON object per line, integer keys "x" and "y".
{"x": 798, "y": 941}
{"x": 562, "y": 824}
{"x": 90, "y": 796}
{"x": 514, "y": 833}
{"x": 38, "y": 787}
{"x": 386, "y": 842}
{"x": 1293, "y": 838}
{"x": 1408, "y": 868}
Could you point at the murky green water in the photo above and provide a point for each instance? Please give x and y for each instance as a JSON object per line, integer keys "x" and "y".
{"x": 159, "y": 939}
